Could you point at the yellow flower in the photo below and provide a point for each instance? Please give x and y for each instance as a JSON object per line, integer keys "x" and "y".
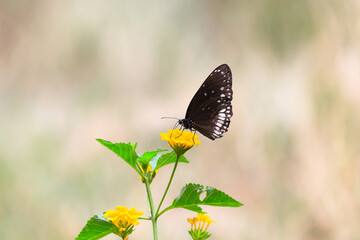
{"x": 193, "y": 222}
{"x": 180, "y": 141}
{"x": 197, "y": 231}
{"x": 123, "y": 219}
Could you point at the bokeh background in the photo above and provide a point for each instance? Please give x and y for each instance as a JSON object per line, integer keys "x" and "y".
{"x": 73, "y": 71}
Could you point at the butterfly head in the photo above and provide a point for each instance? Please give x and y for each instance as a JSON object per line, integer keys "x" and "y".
{"x": 187, "y": 123}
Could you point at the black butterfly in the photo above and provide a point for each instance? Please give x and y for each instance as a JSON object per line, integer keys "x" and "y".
{"x": 210, "y": 110}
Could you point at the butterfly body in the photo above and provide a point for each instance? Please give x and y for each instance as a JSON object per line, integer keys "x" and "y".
{"x": 210, "y": 109}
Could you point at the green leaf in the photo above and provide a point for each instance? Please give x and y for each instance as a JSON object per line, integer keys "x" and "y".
{"x": 146, "y": 157}
{"x": 167, "y": 158}
{"x": 195, "y": 209}
{"x": 124, "y": 150}
{"x": 189, "y": 198}
{"x": 96, "y": 228}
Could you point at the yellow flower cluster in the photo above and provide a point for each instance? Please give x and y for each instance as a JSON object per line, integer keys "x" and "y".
{"x": 180, "y": 141}
{"x": 123, "y": 218}
{"x": 202, "y": 219}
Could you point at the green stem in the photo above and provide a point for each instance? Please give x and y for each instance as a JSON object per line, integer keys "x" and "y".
{"x": 152, "y": 209}
{"x": 168, "y": 186}
{"x": 158, "y": 215}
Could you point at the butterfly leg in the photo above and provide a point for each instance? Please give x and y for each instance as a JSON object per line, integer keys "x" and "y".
{"x": 193, "y": 135}
{"x": 175, "y": 126}
{"x": 182, "y": 128}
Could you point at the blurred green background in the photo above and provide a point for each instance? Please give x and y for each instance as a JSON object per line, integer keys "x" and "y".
{"x": 73, "y": 71}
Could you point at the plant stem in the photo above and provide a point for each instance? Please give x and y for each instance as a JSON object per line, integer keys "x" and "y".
{"x": 152, "y": 210}
{"x": 168, "y": 186}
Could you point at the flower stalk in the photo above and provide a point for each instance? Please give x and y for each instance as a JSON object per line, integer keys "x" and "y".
{"x": 152, "y": 209}
{"x": 168, "y": 186}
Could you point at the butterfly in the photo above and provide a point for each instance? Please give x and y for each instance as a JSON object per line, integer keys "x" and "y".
{"x": 210, "y": 109}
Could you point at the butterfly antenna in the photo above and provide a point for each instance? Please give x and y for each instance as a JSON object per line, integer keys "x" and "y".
{"x": 170, "y": 118}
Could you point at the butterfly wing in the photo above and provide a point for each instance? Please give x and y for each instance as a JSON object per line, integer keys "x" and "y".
{"x": 211, "y": 109}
